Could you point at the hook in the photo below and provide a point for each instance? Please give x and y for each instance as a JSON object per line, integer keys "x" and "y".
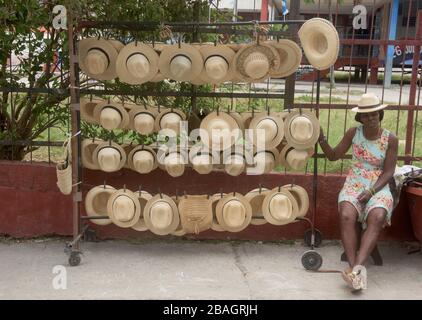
{"x": 279, "y": 188}
{"x": 221, "y": 193}
{"x": 124, "y": 188}
{"x": 179, "y": 41}
{"x": 177, "y": 194}
{"x": 184, "y": 192}
{"x": 159, "y": 192}
{"x": 234, "y": 193}
{"x": 108, "y": 100}
{"x": 90, "y": 97}
{"x": 104, "y": 184}
{"x": 260, "y": 188}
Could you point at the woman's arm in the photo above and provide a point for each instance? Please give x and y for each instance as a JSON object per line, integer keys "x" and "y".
{"x": 340, "y": 150}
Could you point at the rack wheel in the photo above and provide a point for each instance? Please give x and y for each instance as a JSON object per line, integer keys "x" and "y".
{"x": 311, "y": 260}
{"x": 74, "y": 259}
{"x": 308, "y": 237}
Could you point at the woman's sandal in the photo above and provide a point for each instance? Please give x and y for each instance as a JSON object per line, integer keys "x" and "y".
{"x": 356, "y": 277}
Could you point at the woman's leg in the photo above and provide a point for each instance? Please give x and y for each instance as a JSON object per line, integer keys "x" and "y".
{"x": 349, "y": 230}
{"x": 375, "y": 222}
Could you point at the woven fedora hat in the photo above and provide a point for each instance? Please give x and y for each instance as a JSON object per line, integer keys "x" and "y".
{"x": 87, "y": 107}
{"x": 109, "y": 156}
{"x": 256, "y": 198}
{"x": 143, "y": 197}
{"x": 142, "y": 159}
{"x": 233, "y": 212}
{"x": 273, "y": 127}
{"x": 182, "y": 63}
{"x": 123, "y": 208}
{"x": 169, "y": 119}
{"x": 290, "y": 57}
{"x": 302, "y": 199}
{"x": 218, "y": 66}
{"x": 97, "y": 57}
{"x": 266, "y": 159}
{"x": 161, "y": 215}
{"x": 214, "y": 200}
{"x": 137, "y": 63}
{"x": 295, "y": 159}
{"x": 320, "y": 42}
{"x": 202, "y": 158}
{"x": 219, "y": 131}
{"x": 96, "y": 203}
{"x": 301, "y": 129}
{"x": 142, "y": 119}
{"x": 369, "y": 102}
{"x": 279, "y": 207}
{"x": 255, "y": 63}
{"x": 111, "y": 115}
{"x": 87, "y": 149}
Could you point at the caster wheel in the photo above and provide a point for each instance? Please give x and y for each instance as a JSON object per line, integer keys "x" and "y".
{"x": 74, "y": 259}
{"x": 311, "y": 260}
{"x": 308, "y": 237}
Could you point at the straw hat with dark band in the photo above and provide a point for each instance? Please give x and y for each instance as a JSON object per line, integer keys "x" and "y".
{"x": 369, "y": 102}
{"x": 301, "y": 129}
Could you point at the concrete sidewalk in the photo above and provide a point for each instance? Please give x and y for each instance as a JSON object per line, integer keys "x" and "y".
{"x": 184, "y": 269}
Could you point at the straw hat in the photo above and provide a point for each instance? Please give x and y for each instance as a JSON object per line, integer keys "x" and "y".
{"x": 219, "y": 130}
{"x": 292, "y": 158}
{"x": 195, "y": 213}
{"x": 301, "y": 129}
{"x": 96, "y": 203}
{"x": 181, "y": 64}
{"x": 369, "y": 102}
{"x": 218, "y": 65}
{"x": 169, "y": 119}
{"x": 158, "y": 47}
{"x": 161, "y": 215}
{"x": 173, "y": 162}
{"x": 234, "y": 213}
{"x": 234, "y": 164}
{"x": 290, "y": 57}
{"x": 214, "y": 201}
{"x": 109, "y": 156}
{"x": 123, "y": 208}
{"x": 256, "y": 198}
{"x": 128, "y": 148}
{"x": 142, "y": 159}
{"x": 202, "y": 159}
{"x": 97, "y": 57}
{"x": 143, "y": 197}
{"x": 302, "y": 199}
{"x": 87, "y": 107}
{"x": 255, "y": 63}
{"x": 273, "y": 127}
{"x": 239, "y": 120}
{"x": 111, "y": 115}
{"x": 266, "y": 159}
{"x": 279, "y": 207}
{"x": 320, "y": 42}
{"x": 87, "y": 149}
{"x": 179, "y": 230}
{"x": 137, "y": 63}
{"x": 142, "y": 119}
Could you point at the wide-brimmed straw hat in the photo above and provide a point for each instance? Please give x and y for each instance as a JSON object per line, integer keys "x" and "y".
{"x": 272, "y": 126}
{"x": 218, "y": 66}
{"x": 215, "y": 198}
{"x": 169, "y": 119}
{"x": 195, "y": 213}
{"x": 301, "y": 129}
{"x": 87, "y": 107}
{"x": 142, "y": 159}
{"x": 234, "y": 213}
{"x": 266, "y": 160}
{"x": 123, "y": 208}
{"x": 255, "y": 63}
{"x": 234, "y": 163}
{"x": 109, "y": 156}
{"x": 142, "y": 119}
{"x": 302, "y": 199}
{"x": 96, "y": 203}
{"x": 295, "y": 159}
{"x": 256, "y": 198}
{"x": 87, "y": 149}
{"x": 279, "y": 207}
{"x": 369, "y": 102}
{"x": 158, "y": 47}
{"x": 202, "y": 158}
{"x": 180, "y": 62}
{"x": 137, "y": 63}
{"x": 161, "y": 215}
{"x": 173, "y": 161}
{"x": 179, "y": 230}
{"x": 97, "y": 57}
{"x": 219, "y": 130}
{"x": 111, "y": 115}
{"x": 320, "y": 42}
{"x": 143, "y": 197}
{"x": 290, "y": 57}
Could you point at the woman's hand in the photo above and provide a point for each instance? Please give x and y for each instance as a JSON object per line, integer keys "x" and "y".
{"x": 364, "y": 197}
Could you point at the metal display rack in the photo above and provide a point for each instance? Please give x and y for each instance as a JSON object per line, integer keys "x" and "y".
{"x": 311, "y": 259}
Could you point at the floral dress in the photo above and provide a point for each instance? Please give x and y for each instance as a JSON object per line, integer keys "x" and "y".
{"x": 367, "y": 166}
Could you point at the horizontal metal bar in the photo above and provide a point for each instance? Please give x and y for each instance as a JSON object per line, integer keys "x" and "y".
{"x": 35, "y": 90}
{"x": 338, "y": 106}
{"x": 31, "y": 143}
{"x": 94, "y": 217}
{"x": 404, "y": 42}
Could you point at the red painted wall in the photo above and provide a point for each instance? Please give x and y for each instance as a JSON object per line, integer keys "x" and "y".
{"x": 31, "y": 205}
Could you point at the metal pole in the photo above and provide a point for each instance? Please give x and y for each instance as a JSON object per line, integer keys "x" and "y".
{"x": 235, "y": 11}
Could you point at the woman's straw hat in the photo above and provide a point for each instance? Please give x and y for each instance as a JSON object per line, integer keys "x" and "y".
{"x": 111, "y": 115}
{"x": 87, "y": 109}
{"x": 109, "y": 156}
{"x": 137, "y": 63}
{"x": 295, "y": 159}
{"x": 278, "y": 207}
{"x": 218, "y": 66}
{"x": 96, "y": 203}
{"x": 369, "y": 102}
{"x": 169, "y": 119}
{"x": 202, "y": 158}
{"x": 195, "y": 213}
{"x": 142, "y": 119}
{"x": 290, "y": 57}
{"x": 180, "y": 63}
{"x": 301, "y": 129}
{"x": 142, "y": 159}
{"x": 256, "y": 198}
{"x": 97, "y": 57}
{"x": 87, "y": 149}
{"x": 161, "y": 215}
{"x": 272, "y": 126}
{"x": 266, "y": 160}
{"x": 143, "y": 197}
{"x": 234, "y": 213}
{"x": 123, "y": 208}
{"x": 302, "y": 199}
{"x": 219, "y": 131}
{"x": 320, "y": 42}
